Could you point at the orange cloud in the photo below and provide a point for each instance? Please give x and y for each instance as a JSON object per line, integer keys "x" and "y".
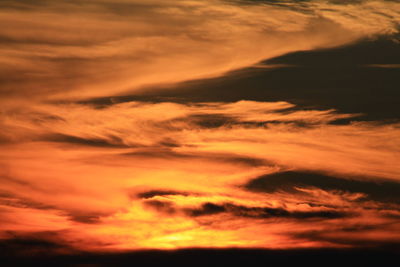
{"x": 61, "y": 49}
{"x": 124, "y": 177}
{"x": 168, "y": 175}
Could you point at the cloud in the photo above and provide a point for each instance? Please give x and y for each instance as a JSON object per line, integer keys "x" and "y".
{"x": 64, "y": 138}
{"x": 80, "y": 49}
{"x": 46, "y": 243}
{"x": 262, "y": 212}
{"x": 180, "y": 182}
{"x": 374, "y": 236}
{"x": 291, "y": 181}
{"x": 172, "y": 174}
{"x": 153, "y": 193}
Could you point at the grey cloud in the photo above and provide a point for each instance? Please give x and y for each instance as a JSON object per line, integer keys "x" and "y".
{"x": 30, "y": 244}
{"x": 112, "y": 141}
{"x": 153, "y": 193}
{"x": 11, "y": 200}
{"x": 382, "y": 190}
{"x": 85, "y": 218}
{"x": 264, "y": 212}
{"x": 167, "y": 152}
{"x": 210, "y": 208}
{"x": 318, "y": 79}
{"x": 161, "y": 206}
{"x": 14, "y": 201}
{"x": 340, "y": 237}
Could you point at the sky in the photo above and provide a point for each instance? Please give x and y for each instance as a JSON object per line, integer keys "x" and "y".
{"x": 131, "y": 125}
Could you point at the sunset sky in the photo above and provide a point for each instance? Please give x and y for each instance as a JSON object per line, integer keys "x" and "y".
{"x": 171, "y": 124}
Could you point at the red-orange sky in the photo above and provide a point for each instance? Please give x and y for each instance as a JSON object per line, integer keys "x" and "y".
{"x": 106, "y": 145}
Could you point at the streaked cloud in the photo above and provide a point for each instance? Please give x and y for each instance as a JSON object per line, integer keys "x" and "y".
{"x": 64, "y": 49}
{"x": 124, "y": 177}
{"x": 174, "y": 174}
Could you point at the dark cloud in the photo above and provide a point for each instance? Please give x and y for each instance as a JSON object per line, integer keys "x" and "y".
{"x": 168, "y": 142}
{"x": 337, "y": 78}
{"x": 85, "y": 218}
{"x": 40, "y": 117}
{"x": 24, "y": 4}
{"x": 161, "y": 206}
{"x": 386, "y": 191}
{"x": 6, "y": 177}
{"x": 340, "y": 57}
{"x": 350, "y": 239}
{"x": 206, "y": 209}
{"x": 211, "y": 120}
{"x": 250, "y": 161}
{"x": 157, "y": 152}
{"x": 111, "y": 141}
{"x": 210, "y": 208}
{"x": 285, "y": 2}
{"x": 153, "y": 193}
{"x": 263, "y": 212}
{"x": 168, "y": 153}
{"x": 116, "y": 7}
{"x": 11, "y": 200}
{"x": 33, "y": 244}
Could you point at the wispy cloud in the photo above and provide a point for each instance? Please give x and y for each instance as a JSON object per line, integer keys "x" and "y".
{"x": 179, "y": 181}
{"x": 64, "y": 49}
{"x": 138, "y": 174}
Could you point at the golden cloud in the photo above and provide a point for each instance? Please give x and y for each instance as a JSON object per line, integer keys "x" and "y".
{"x": 124, "y": 177}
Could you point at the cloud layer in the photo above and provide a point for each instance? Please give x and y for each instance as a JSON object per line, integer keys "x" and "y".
{"x": 174, "y": 174}
{"x": 124, "y": 177}
{"x": 78, "y": 49}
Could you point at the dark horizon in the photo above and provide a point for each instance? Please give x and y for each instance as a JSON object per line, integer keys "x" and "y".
{"x": 385, "y": 256}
